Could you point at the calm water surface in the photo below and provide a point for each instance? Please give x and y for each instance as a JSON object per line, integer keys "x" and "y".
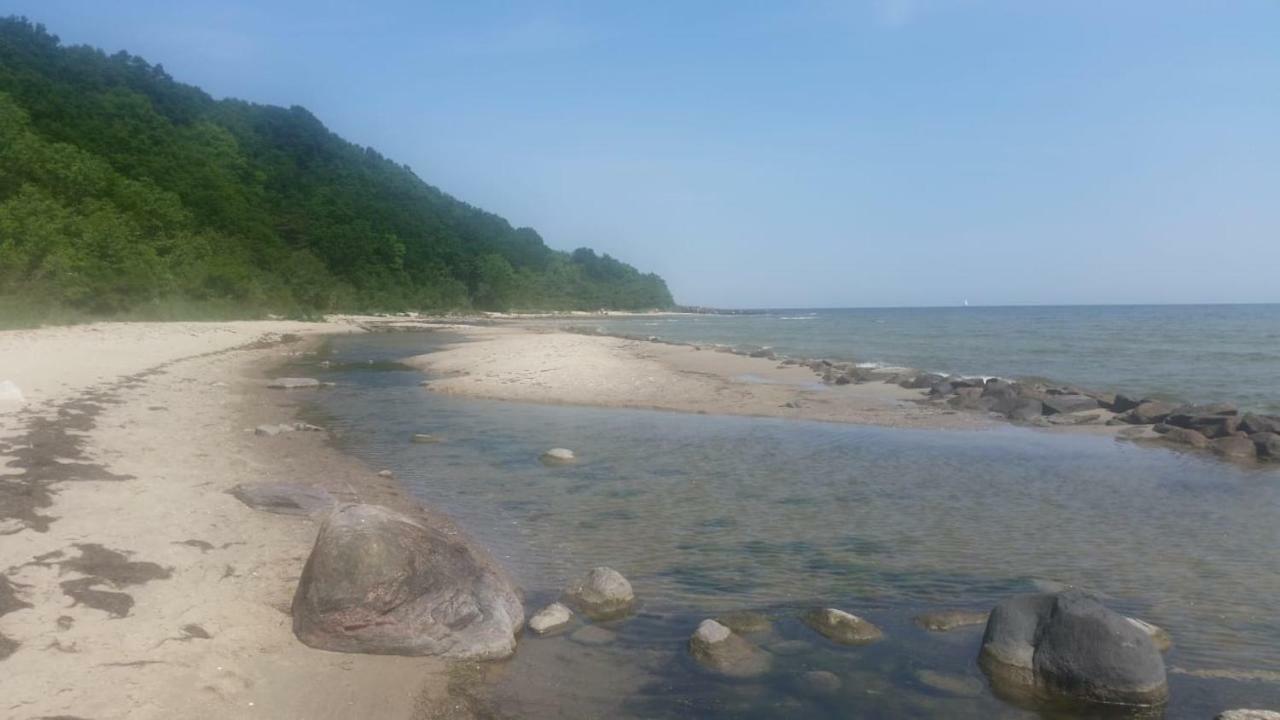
{"x": 709, "y": 514}
{"x": 1199, "y": 353}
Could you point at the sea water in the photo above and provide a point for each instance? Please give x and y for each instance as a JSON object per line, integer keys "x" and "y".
{"x": 1196, "y": 353}
{"x": 708, "y": 514}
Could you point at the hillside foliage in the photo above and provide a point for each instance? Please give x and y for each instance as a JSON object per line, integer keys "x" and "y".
{"x": 121, "y": 188}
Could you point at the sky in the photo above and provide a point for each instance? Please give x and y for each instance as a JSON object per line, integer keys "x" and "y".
{"x": 833, "y": 153}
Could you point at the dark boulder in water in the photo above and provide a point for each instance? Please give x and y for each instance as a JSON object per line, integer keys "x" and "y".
{"x": 384, "y": 583}
{"x": 1068, "y": 646}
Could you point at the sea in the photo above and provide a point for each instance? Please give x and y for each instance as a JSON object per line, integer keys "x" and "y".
{"x": 708, "y": 514}
{"x": 1193, "y": 353}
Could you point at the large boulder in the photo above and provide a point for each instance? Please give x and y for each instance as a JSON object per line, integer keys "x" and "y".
{"x": 724, "y": 651}
{"x": 601, "y": 594}
{"x": 842, "y": 627}
{"x": 385, "y": 583}
{"x": 1067, "y": 645}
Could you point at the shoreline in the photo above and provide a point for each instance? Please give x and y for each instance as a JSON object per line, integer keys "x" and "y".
{"x": 552, "y": 364}
{"x": 133, "y": 584}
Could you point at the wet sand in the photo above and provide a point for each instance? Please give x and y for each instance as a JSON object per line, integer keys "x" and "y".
{"x": 131, "y": 584}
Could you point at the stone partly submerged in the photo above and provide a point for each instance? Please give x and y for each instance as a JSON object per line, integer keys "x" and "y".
{"x": 601, "y": 594}
{"x": 1068, "y": 646}
{"x": 550, "y": 619}
{"x": 842, "y": 627}
{"x": 1248, "y": 714}
{"x": 559, "y": 456}
{"x": 718, "y": 648}
{"x": 284, "y": 498}
{"x": 382, "y": 582}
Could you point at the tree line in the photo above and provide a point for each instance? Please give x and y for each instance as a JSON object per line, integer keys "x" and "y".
{"x": 122, "y": 189}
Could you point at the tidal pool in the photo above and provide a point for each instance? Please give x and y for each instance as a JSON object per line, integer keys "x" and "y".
{"x": 709, "y": 514}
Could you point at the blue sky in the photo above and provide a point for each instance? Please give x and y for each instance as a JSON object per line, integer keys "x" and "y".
{"x": 881, "y": 152}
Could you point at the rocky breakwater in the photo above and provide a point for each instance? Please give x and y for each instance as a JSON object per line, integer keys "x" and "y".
{"x": 383, "y": 582}
{"x": 1220, "y": 428}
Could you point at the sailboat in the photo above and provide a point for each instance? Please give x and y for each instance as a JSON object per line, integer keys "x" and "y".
{"x": 966, "y": 302}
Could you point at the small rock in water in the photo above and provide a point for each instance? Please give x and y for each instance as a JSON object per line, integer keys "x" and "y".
{"x": 386, "y": 473}
{"x": 425, "y": 439}
{"x": 558, "y": 456}
{"x": 718, "y": 648}
{"x": 592, "y": 635}
{"x": 842, "y": 627}
{"x": 1248, "y": 714}
{"x": 10, "y": 394}
{"x": 745, "y": 621}
{"x": 268, "y": 430}
{"x": 293, "y": 383}
{"x": 818, "y": 683}
{"x": 550, "y": 618}
{"x": 947, "y": 620}
{"x": 1158, "y": 635}
{"x": 602, "y": 594}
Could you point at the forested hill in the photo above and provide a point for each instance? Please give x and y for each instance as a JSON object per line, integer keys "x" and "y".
{"x": 121, "y": 188}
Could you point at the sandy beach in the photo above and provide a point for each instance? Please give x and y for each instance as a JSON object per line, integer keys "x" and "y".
{"x": 531, "y": 363}
{"x": 133, "y": 585}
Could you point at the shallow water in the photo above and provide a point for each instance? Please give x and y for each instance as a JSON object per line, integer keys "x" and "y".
{"x": 707, "y": 514}
{"x": 1197, "y": 353}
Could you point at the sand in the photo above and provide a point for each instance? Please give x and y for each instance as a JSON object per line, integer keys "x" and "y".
{"x": 530, "y": 363}
{"x": 132, "y": 585}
